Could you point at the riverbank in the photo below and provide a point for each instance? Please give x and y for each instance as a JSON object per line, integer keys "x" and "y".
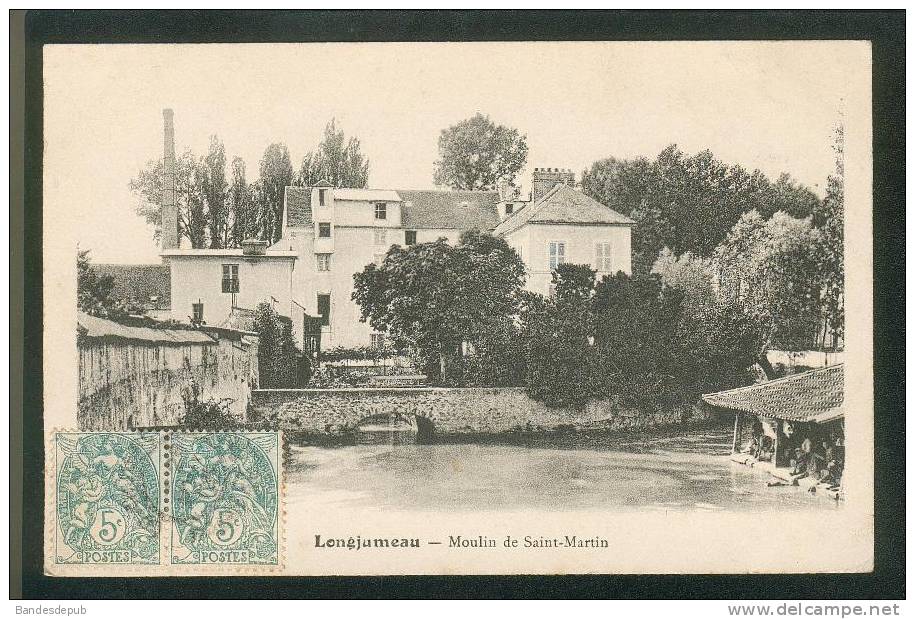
{"x": 333, "y": 416}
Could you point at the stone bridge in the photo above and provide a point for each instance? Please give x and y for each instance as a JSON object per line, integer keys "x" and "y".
{"x": 442, "y": 410}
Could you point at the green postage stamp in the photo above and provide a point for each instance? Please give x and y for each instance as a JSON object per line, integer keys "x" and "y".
{"x": 163, "y": 500}
{"x": 108, "y": 497}
{"x": 225, "y": 498}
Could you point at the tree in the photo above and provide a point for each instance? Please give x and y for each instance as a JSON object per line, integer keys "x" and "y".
{"x": 337, "y": 161}
{"x": 214, "y": 189}
{"x": 475, "y": 154}
{"x": 435, "y": 296}
{"x": 93, "y": 291}
{"x": 688, "y": 203}
{"x": 148, "y": 184}
{"x": 718, "y": 339}
{"x": 770, "y": 268}
{"x": 277, "y": 355}
{"x": 830, "y": 220}
{"x": 557, "y": 340}
{"x": 243, "y": 209}
{"x": 275, "y": 176}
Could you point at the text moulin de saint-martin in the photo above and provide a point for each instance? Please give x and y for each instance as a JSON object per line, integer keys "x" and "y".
{"x": 358, "y": 542}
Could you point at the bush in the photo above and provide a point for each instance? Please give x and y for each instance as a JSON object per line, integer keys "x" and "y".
{"x": 557, "y": 351}
{"x": 277, "y": 356}
{"x": 208, "y": 414}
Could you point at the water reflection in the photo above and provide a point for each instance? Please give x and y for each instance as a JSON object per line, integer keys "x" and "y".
{"x": 666, "y": 471}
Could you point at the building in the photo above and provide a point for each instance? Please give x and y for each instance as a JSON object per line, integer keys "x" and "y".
{"x": 772, "y": 420}
{"x": 331, "y": 233}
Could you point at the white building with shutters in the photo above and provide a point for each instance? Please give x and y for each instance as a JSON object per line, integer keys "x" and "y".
{"x": 331, "y": 233}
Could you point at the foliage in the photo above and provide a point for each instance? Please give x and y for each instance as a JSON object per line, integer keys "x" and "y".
{"x": 691, "y": 275}
{"x": 688, "y": 203}
{"x": 275, "y": 175}
{"x": 718, "y": 339}
{"x": 357, "y": 353}
{"x": 244, "y": 209}
{"x": 214, "y": 414}
{"x": 497, "y": 357}
{"x": 771, "y": 269}
{"x": 337, "y": 161}
{"x": 435, "y": 296}
{"x": 329, "y": 377}
{"x": 93, "y": 291}
{"x": 556, "y": 333}
{"x": 476, "y": 154}
{"x": 277, "y": 356}
{"x": 211, "y": 212}
{"x": 148, "y": 186}
{"x": 214, "y": 190}
{"x": 635, "y": 320}
{"x": 830, "y": 219}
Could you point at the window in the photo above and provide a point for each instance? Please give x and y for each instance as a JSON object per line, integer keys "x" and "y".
{"x": 509, "y": 209}
{"x": 324, "y": 309}
{"x": 557, "y": 254}
{"x": 321, "y": 198}
{"x": 410, "y": 237}
{"x": 551, "y": 290}
{"x": 197, "y": 312}
{"x": 381, "y": 210}
{"x": 324, "y": 230}
{"x": 603, "y": 257}
{"x": 378, "y": 341}
{"x": 323, "y": 262}
{"x": 381, "y": 237}
{"x": 230, "y": 278}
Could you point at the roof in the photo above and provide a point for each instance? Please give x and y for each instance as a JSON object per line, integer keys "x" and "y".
{"x": 563, "y": 205}
{"x": 816, "y": 395}
{"x": 366, "y": 195}
{"x": 298, "y": 207}
{"x": 144, "y": 285}
{"x": 100, "y": 328}
{"x": 240, "y": 319}
{"x": 231, "y": 253}
{"x": 461, "y": 210}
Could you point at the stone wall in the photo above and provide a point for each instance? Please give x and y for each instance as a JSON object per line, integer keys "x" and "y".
{"x": 451, "y": 410}
{"x": 129, "y": 383}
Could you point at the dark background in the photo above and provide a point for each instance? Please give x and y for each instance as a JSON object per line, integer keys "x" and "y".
{"x": 30, "y": 30}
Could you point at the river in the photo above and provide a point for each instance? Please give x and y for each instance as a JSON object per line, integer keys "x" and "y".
{"x": 683, "y": 471}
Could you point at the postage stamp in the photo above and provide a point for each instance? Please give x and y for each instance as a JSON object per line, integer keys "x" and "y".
{"x": 107, "y": 491}
{"x": 225, "y": 490}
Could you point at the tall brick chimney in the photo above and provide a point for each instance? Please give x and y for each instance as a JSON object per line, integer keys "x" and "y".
{"x": 545, "y": 179}
{"x": 168, "y": 208}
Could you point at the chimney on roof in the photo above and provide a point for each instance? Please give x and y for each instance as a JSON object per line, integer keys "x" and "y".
{"x": 254, "y": 247}
{"x": 168, "y": 208}
{"x": 545, "y": 179}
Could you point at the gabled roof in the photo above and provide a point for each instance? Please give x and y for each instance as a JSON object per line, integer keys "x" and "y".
{"x": 563, "y": 205}
{"x": 366, "y": 195}
{"x": 298, "y": 207}
{"x": 461, "y": 210}
{"x": 103, "y": 329}
{"x": 816, "y": 395}
{"x": 144, "y": 285}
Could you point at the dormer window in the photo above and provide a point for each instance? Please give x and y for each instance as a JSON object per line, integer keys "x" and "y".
{"x": 509, "y": 209}
{"x": 381, "y": 210}
{"x": 322, "y": 199}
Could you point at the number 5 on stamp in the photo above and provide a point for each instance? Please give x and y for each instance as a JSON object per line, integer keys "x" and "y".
{"x": 107, "y": 498}
{"x": 225, "y": 491}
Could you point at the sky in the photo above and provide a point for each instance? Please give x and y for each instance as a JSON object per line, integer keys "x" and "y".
{"x": 771, "y": 105}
